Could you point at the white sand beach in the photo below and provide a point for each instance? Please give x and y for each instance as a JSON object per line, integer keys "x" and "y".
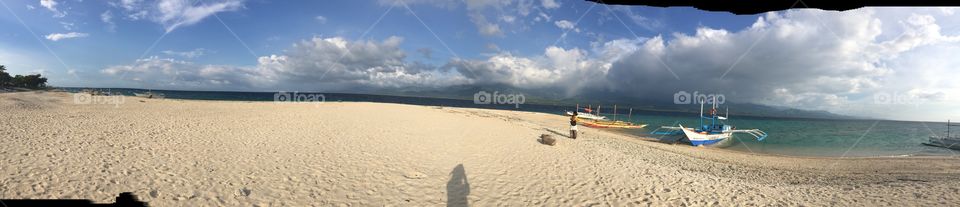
{"x": 231, "y": 153}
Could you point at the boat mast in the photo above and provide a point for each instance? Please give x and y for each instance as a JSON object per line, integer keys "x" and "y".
{"x": 713, "y": 114}
{"x": 701, "y": 113}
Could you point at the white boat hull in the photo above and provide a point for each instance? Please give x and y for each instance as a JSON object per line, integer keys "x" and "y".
{"x": 949, "y": 143}
{"x": 587, "y": 116}
{"x": 698, "y": 139}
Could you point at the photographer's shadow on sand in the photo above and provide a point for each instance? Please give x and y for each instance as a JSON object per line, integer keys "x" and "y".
{"x": 458, "y": 188}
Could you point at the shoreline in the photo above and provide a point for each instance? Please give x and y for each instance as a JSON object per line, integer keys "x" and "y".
{"x": 462, "y": 98}
{"x": 216, "y": 153}
{"x": 651, "y": 139}
{"x": 655, "y": 140}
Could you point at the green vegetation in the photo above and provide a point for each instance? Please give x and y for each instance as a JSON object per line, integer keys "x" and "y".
{"x": 27, "y": 81}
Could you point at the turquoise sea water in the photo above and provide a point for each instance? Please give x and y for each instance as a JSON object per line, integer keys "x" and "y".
{"x": 821, "y": 138}
{"x": 795, "y": 137}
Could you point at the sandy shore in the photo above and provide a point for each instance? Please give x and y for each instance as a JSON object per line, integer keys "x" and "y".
{"x": 222, "y": 153}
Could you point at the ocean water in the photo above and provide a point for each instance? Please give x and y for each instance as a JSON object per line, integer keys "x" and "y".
{"x": 818, "y": 137}
{"x": 787, "y": 136}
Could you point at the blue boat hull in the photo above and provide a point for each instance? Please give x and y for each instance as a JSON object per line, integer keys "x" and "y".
{"x": 704, "y": 142}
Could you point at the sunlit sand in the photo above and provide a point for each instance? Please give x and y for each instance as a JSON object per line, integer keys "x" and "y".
{"x": 232, "y": 153}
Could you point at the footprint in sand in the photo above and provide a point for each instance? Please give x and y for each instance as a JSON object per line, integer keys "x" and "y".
{"x": 414, "y": 175}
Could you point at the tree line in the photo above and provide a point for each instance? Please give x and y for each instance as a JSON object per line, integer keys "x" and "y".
{"x": 22, "y": 81}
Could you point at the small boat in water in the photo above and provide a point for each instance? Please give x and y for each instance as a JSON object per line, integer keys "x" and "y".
{"x": 611, "y": 124}
{"x": 149, "y": 94}
{"x": 712, "y": 130}
{"x": 598, "y": 121}
{"x": 949, "y": 142}
{"x": 587, "y": 114}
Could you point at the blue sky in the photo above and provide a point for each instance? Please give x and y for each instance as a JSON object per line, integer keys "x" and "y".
{"x": 857, "y": 62}
{"x": 269, "y": 27}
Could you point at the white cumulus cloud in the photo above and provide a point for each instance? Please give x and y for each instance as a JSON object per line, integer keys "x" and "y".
{"x": 52, "y": 6}
{"x": 107, "y": 19}
{"x": 195, "y": 53}
{"x": 804, "y": 59}
{"x": 550, "y": 4}
{"x": 61, "y": 36}
{"x": 321, "y": 19}
{"x": 176, "y": 13}
{"x": 326, "y": 63}
{"x": 566, "y": 25}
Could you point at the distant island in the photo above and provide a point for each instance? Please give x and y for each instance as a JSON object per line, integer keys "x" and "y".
{"x": 532, "y": 98}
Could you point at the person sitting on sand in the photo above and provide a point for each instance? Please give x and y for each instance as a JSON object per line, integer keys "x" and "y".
{"x": 573, "y": 125}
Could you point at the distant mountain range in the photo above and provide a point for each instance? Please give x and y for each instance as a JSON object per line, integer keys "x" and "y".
{"x": 606, "y": 99}
{"x": 609, "y": 99}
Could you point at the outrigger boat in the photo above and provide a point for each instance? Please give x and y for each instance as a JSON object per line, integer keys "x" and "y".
{"x": 597, "y": 121}
{"x": 588, "y": 114}
{"x": 949, "y": 142}
{"x": 711, "y": 131}
{"x": 613, "y": 124}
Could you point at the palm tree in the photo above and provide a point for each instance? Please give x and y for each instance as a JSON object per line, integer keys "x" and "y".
{"x": 4, "y": 76}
